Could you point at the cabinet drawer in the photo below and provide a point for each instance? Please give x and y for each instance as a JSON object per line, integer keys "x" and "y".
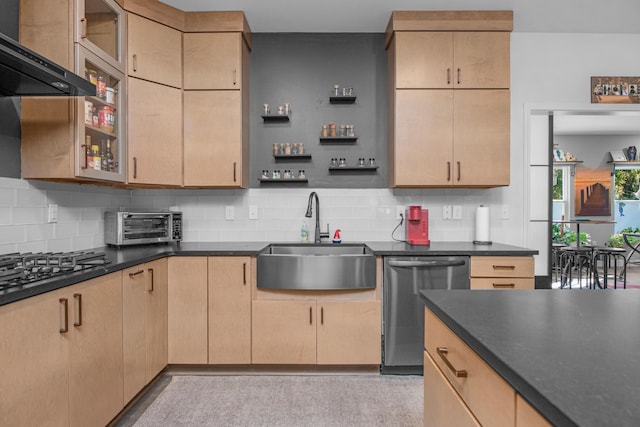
{"x": 502, "y": 266}
{"x": 502, "y": 283}
{"x": 442, "y": 405}
{"x": 487, "y": 395}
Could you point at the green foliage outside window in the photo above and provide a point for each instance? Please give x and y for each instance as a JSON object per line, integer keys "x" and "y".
{"x": 557, "y": 187}
{"x": 627, "y": 184}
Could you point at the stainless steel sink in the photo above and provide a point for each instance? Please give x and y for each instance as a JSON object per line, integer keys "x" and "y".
{"x": 307, "y": 266}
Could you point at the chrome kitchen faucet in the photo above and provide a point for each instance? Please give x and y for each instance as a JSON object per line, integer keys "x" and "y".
{"x": 318, "y": 234}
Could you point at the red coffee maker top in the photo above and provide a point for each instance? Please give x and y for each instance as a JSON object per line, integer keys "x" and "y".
{"x": 417, "y": 226}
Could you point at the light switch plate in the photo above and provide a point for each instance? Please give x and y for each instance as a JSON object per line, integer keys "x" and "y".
{"x": 53, "y": 213}
{"x": 504, "y": 213}
{"x": 446, "y": 212}
{"x": 229, "y": 213}
{"x": 457, "y": 212}
{"x": 253, "y": 212}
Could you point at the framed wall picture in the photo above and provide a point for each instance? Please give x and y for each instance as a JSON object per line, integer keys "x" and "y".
{"x": 615, "y": 90}
{"x": 618, "y": 156}
{"x": 592, "y": 192}
{"x": 558, "y": 155}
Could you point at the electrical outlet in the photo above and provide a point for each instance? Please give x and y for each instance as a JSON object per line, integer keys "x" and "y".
{"x": 229, "y": 213}
{"x": 446, "y": 212}
{"x": 53, "y": 213}
{"x": 399, "y": 212}
{"x": 457, "y": 212}
{"x": 253, "y": 212}
{"x": 504, "y": 213}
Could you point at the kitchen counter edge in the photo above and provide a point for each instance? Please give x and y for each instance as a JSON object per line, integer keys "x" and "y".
{"x": 120, "y": 258}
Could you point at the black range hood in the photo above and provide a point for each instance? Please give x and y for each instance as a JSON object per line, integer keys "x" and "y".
{"x": 26, "y": 73}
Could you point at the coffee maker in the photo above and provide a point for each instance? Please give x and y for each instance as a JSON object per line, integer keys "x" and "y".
{"x": 417, "y": 226}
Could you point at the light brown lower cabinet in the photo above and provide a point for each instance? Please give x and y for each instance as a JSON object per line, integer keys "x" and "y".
{"x": 502, "y": 272}
{"x": 229, "y": 310}
{"x": 316, "y": 332}
{"x": 61, "y": 353}
{"x": 145, "y": 294}
{"x": 188, "y": 319}
{"x": 461, "y": 389}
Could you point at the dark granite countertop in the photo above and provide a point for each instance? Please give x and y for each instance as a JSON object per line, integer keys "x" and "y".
{"x": 128, "y": 256}
{"x": 573, "y": 355}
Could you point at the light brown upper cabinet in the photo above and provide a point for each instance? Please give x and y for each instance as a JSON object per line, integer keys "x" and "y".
{"x": 154, "y": 51}
{"x": 216, "y": 109}
{"x": 62, "y": 136}
{"x": 461, "y": 60}
{"x": 155, "y": 134}
{"x": 449, "y": 99}
{"x": 213, "y": 60}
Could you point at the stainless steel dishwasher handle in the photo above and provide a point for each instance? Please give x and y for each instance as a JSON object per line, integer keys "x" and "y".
{"x": 425, "y": 264}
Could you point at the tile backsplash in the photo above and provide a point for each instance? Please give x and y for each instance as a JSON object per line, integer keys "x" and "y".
{"x": 361, "y": 214}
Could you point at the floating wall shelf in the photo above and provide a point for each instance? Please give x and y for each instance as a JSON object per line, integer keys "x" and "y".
{"x": 342, "y": 99}
{"x": 275, "y": 117}
{"x": 338, "y": 139}
{"x": 284, "y": 180}
{"x": 292, "y": 156}
{"x": 353, "y": 168}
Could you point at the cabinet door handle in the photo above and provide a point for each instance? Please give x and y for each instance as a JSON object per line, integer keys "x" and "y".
{"x": 135, "y": 62}
{"x": 322, "y": 315}
{"x": 458, "y": 171}
{"x": 135, "y": 167}
{"x": 442, "y": 352}
{"x": 311, "y": 315}
{"x": 458, "y": 75}
{"x": 86, "y": 160}
{"x": 83, "y": 26}
{"x": 244, "y": 273}
{"x": 235, "y": 164}
{"x": 77, "y": 305}
{"x": 132, "y": 275}
{"x": 504, "y": 285}
{"x": 448, "y": 76}
{"x": 64, "y": 315}
{"x": 448, "y": 171}
{"x": 150, "y": 280}
{"x": 504, "y": 267}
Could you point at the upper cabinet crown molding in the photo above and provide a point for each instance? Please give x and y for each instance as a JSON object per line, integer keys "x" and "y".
{"x": 447, "y": 20}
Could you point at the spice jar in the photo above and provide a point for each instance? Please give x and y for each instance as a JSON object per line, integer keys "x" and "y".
{"x": 350, "y": 131}
{"x": 265, "y": 109}
{"x": 287, "y": 109}
{"x": 92, "y": 76}
{"x": 106, "y": 118}
{"x": 343, "y": 163}
{"x": 287, "y": 149}
{"x": 336, "y": 90}
{"x": 101, "y": 87}
{"x": 300, "y": 148}
{"x": 332, "y": 129}
{"x": 343, "y": 130}
{"x": 275, "y": 149}
{"x": 325, "y": 132}
{"x": 334, "y": 162}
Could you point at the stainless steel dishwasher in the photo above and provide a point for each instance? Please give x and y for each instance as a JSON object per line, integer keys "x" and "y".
{"x": 403, "y": 310}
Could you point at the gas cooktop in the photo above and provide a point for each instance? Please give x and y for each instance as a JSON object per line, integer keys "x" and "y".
{"x": 19, "y": 270}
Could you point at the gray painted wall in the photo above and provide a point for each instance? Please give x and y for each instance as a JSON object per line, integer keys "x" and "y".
{"x": 301, "y": 69}
{"x": 9, "y": 107}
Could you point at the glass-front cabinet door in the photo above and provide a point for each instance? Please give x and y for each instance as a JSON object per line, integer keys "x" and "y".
{"x": 99, "y": 27}
{"x": 100, "y": 143}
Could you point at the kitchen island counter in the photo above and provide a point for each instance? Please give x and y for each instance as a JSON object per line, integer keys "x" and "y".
{"x": 128, "y": 256}
{"x": 572, "y": 355}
